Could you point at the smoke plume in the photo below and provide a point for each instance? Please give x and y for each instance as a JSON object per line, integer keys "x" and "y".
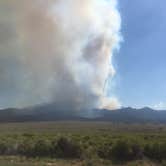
{"x": 57, "y": 51}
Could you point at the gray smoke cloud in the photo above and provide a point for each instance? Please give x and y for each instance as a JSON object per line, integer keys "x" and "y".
{"x": 57, "y": 51}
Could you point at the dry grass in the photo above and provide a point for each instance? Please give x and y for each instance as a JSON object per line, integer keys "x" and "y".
{"x": 18, "y": 161}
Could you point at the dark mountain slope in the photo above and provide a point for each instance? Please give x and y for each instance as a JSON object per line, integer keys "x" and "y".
{"x": 50, "y": 112}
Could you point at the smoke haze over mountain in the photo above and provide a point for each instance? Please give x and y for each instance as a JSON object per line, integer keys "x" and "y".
{"x": 57, "y": 51}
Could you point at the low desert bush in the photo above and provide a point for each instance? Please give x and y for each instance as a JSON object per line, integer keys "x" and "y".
{"x": 65, "y": 148}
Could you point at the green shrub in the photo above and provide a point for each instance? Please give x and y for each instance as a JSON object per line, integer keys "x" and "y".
{"x": 120, "y": 151}
{"x": 26, "y": 148}
{"x": 125, "y": 151}
{"x": 104, "y": 151}
{"x": 42, "y": 148}
{"x": 155, "y": 151}
{"x": 65, "y": 148}
{"x": 3, "y": 148}
{"x": 137, "y": 151}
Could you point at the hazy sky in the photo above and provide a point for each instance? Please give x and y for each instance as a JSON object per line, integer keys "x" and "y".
{"x": 141, "y": 63}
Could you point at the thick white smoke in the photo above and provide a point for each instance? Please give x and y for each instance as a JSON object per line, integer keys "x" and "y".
{"x": 60, "y": 51}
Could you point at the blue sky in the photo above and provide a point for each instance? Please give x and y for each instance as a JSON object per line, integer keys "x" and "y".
{"x": 141, "y": 62}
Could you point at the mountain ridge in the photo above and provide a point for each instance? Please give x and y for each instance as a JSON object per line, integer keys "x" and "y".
{"x": 50, "y": 112}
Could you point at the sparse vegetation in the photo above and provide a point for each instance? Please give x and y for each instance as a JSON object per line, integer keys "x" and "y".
{"x": 104, "y": 143}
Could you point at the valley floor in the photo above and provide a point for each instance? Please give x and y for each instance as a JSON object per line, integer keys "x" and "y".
{"x": 87, "y": 143}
